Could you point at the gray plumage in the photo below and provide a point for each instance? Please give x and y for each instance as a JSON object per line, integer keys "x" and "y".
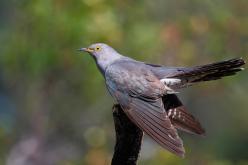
{"x": 146, "y": 92}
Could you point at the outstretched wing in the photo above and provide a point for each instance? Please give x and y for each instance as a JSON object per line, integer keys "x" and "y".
{"x": 139, "y": 93}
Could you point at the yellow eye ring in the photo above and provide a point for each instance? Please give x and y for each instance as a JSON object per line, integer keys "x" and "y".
{"x": 98, "y": 48}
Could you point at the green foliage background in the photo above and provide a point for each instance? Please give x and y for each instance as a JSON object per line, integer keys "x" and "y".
{"x": 54, "y": 108}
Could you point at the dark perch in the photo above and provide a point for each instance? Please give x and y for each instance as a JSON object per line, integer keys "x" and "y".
{"x": 128, "y": 139}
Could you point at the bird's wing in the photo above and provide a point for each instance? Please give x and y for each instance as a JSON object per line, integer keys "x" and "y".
{"x": 139, "y": 93}
{"x": 180, "y": 117}
{"x": 153, "y": 120}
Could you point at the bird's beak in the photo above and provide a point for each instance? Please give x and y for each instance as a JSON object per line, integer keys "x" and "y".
{"x": 89, "y": 50}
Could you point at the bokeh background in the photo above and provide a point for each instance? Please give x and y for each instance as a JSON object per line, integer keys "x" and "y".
{"x": 54, "y": 108}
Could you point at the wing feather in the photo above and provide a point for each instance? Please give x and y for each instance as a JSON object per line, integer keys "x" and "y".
{"x": 159, "y": 137}
{"x": 180, "y": 117}
{"x": 153, "y": 120}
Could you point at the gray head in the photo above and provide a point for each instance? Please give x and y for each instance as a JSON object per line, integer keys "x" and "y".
{"x": 103, "y": 54}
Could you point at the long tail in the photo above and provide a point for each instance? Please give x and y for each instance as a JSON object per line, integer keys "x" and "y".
{"x": 212, "y": 71}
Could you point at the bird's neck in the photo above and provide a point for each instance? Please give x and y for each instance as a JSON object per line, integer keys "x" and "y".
{"x": 104, "y": 61}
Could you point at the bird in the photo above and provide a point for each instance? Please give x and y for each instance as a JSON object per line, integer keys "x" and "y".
{"x": 147, "y": 93}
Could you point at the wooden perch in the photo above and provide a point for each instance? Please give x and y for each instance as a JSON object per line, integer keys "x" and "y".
{"x": 128, "y": 139}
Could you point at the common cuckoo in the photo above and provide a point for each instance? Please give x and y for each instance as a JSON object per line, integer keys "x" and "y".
{"x": 147, "y": 92}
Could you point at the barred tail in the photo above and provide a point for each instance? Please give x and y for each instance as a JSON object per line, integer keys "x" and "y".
{"x": 212, "y": 71}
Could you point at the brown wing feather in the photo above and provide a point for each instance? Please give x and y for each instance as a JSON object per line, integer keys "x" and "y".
{"x": 152, "y": 119}
{"x": 180, "y": 117}
{"x": 184, "y": 121}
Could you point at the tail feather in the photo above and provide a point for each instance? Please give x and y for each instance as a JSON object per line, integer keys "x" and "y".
{"x": 212, "y": 71}
{"x": 180, "y": 117}
{"x": 218, "y": 75}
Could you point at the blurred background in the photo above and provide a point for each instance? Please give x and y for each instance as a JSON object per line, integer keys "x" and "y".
{"x": 54, "y": 108}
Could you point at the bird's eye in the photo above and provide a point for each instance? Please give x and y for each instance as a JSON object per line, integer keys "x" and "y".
{"x": 98, "y": 48}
